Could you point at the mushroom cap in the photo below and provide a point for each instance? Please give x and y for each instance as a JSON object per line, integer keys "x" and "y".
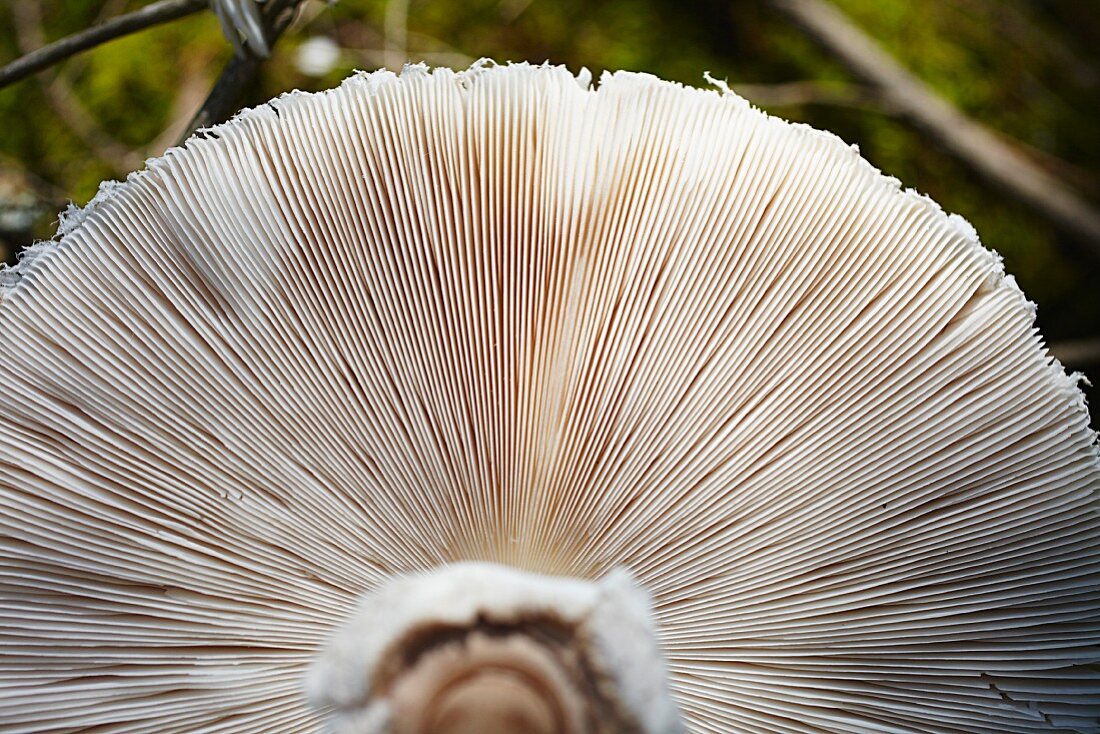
{"x": 501, "y": 315}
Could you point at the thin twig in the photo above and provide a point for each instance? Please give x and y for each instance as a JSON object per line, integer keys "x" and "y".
{"x": 396, "y": 34}
{"x": 510, "y": 10}
{"x": 439, "y": 49}
{"x": 379, "y": 58}
{"x": 1077, "y": 353}
{"x": 970, "y": 141}
{"x": 791, "y": 94}
{"x": 241, "y": 70}
{"x": 432, "y": 51}
{"x": 190, "y": 94}
{"x": 53, "y": 53}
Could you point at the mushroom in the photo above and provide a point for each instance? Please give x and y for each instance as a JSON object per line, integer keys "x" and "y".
{"x": 406, "y": 381}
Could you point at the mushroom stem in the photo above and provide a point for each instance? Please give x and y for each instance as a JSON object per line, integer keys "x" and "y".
{"x": 507, "y": 684}
{"x": 479, "y": 648}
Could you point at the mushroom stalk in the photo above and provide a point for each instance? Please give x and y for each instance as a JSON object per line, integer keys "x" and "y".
{"x": 477, "y": 647}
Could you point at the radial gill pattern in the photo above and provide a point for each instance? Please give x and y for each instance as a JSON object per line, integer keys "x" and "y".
{"x": 506, "y": 315}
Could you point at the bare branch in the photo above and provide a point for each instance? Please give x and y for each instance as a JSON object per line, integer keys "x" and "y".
{"x": 241, "y": 70}
{"x": 190, "y": 94}
{"x": 421, "y": 47}
{"x": 971, "y": 142}
{"x": 510, "y": 10}
{"x": 53, "y": 53}
{"x": 1077, "y": 353}
{"x": 436, "y": 51}
{"x": 812, "y": 93}
{"x": 379, "y": 58}
{"x": 395, "y": 34}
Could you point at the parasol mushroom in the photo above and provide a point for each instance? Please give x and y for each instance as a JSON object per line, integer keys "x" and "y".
{"x": 459, "y": 345}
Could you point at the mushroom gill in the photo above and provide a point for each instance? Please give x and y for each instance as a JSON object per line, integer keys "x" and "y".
{"x": 508, "y": 325}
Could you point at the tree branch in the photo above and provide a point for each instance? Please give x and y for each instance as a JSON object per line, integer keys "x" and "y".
{"x": 53, "y": 53}
{"x": 971, "y": 142}
{"x": 1077, "y": 353}
{"x": 395, "y": 34}
{"x": 241, "y": 70}
{"x": 812, "y": 93}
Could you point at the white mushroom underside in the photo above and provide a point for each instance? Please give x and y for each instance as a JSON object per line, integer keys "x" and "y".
{"x": 498, "y": 315}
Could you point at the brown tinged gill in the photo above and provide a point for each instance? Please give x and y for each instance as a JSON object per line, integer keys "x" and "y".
{"x": 509, "y": 316}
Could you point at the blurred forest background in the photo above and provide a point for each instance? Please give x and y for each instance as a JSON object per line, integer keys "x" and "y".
{"x": 1025, "y": 71}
